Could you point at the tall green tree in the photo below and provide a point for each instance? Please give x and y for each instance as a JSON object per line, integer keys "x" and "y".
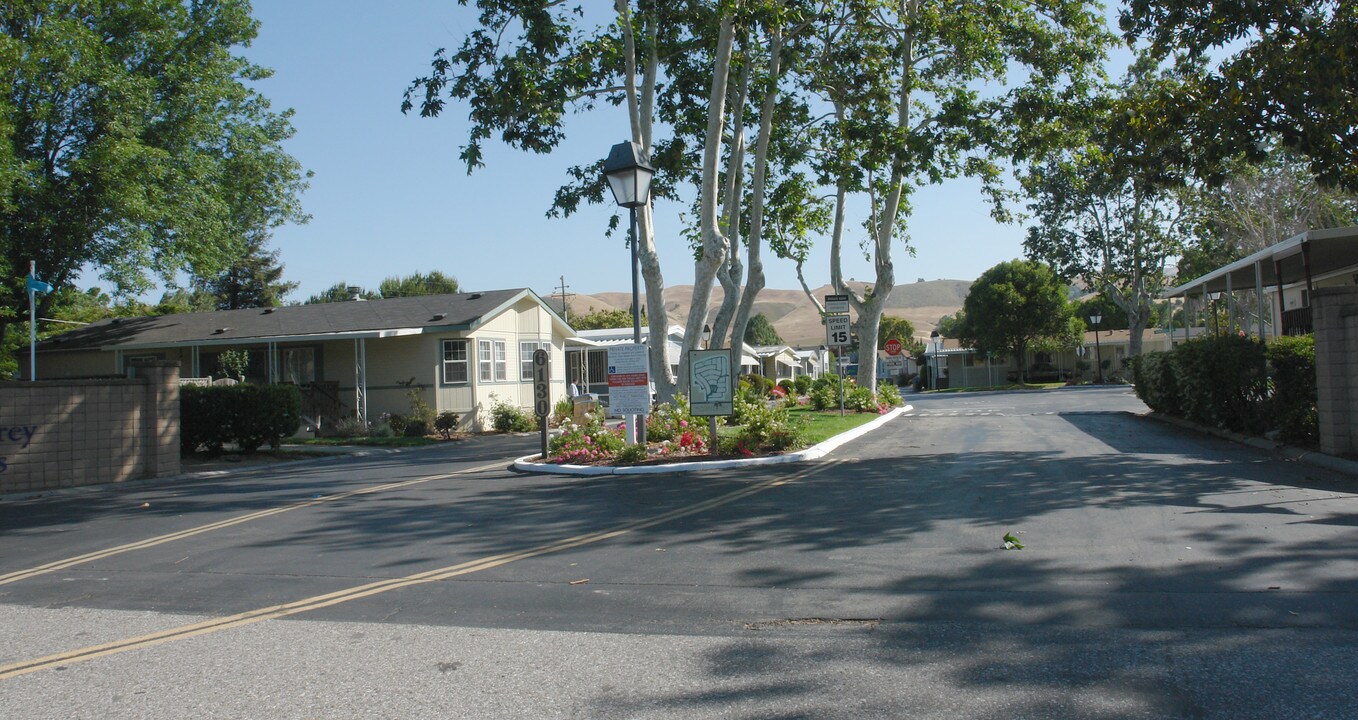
{"x": 897, "y": 328}
{"x": 603, "y": 319}
{"x": 1013, "y": 307}
{"x": 133, "y": 140}
{"x": 901, "y": 79}
{"x": 339, "y": 292}
{"x": 253, "y": 280}
{"x": 1261, "y": 69}
{"x": 760, "y": 331}
{"x": 431, "y": 283}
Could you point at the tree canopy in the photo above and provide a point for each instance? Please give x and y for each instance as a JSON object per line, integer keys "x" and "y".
{"x": 761, "y": 332}
{"x": 432, "y": 283}
{"x": 1289, "y": 71}
{"x": 255, "y": 279}
{"x": 604, "y": 319}
{"x": 1014, "y": 306}
{"x": 133, "y": 141}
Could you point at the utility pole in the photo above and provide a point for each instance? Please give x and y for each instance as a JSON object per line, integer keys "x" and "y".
{"x": 565, "y": 299}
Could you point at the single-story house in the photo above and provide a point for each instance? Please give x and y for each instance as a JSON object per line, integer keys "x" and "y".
{"x": 359, "y": 359}
{"x": 777, "y": 362}
{"x": 813, "y": 361}
{"x": 586, "y": 355}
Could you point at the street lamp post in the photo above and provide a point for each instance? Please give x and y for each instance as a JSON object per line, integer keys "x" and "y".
{"x": 1098, "y": 354}
{"x": 629, "y": 174}
{"x": 934, "y": 338}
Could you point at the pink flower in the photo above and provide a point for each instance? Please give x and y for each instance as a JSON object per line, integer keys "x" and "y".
{"x": 683, "y": 423}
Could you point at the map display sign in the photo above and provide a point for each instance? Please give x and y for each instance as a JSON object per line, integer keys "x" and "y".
{"x": 629, "y": 380}
{"x": 710, "y": 388}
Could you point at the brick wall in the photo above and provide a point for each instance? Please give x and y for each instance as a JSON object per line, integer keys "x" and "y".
{"x": 1334, "y": 314}
{"x": 64, "y": 433}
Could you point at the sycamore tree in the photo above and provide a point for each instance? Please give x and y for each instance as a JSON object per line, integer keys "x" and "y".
{"x": 132, "y": 141}
{"x": 1260, "y": 70}
{"x": 750, "y": 109}
{"x": 1014, "y": 307}
{"x": 1106, "y": 212}
{"x": 902, "y": 85}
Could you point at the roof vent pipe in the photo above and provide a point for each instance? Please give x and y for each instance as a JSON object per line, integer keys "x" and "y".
{"x": 355, "y": 292}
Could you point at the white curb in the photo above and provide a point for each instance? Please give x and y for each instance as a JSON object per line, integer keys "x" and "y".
{"x": 528, "y": 463}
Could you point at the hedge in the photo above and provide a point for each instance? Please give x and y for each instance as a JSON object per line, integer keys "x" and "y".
{"x": 248, "y": 415}
{"x": 1293, "y": 361}
{"x": 1235, "y": 383}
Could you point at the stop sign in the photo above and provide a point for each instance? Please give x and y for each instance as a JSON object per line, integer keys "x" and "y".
{"x": 893, "y": 347}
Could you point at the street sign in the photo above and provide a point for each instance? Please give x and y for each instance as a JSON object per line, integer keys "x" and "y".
{"x": 629, "y": 380}
{"x": 893, "y": 347}
{"x": 542, "y": 391}
{"x": 836, "y": 304}
{"x": 837, "y": 330}
{"x": 710, "y": 389}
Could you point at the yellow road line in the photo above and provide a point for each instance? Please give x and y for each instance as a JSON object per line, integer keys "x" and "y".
{"x": 201, "y": 529}
{"x": 374, "y": 588}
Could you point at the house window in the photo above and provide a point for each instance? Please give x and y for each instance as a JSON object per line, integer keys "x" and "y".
{"x": 526, "y": 350}
{"x": 454, "y": 361}
{"x": 491, "y": 361}
{"x": 299, "y": 365}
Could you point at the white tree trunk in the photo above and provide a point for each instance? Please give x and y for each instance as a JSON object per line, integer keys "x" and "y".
{"x": 714, "y": 243}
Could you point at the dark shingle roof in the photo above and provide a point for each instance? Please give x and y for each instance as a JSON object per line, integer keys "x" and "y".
{"x": 458, "y": 312}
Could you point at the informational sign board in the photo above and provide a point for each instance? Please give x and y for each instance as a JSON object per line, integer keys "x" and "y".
{"x": 629, "y": 380}
{"x": 893, "y": 347}
{"x": 711, "y": 390}
{"x": 542, "y": 376}
{"x": 837, "y": 330}
{"x": 894, "y": 364}
{"x": 836, "y": 304}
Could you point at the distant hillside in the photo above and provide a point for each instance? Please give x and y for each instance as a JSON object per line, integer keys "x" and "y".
{"x": 793, "y": 315}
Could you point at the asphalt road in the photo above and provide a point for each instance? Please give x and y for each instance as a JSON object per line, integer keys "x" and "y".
{"x": 1165, "y": 574}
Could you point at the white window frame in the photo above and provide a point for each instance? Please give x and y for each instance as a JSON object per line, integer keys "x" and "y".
{"x": 491, "y": 361}
{"x": 526, "y": 350}
{"x": 447, "y": 364}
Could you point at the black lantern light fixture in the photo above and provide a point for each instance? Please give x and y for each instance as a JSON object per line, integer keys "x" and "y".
{"x": 629, "y": 174}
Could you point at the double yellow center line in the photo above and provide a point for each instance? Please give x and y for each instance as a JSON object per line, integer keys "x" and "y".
{"x": 201, "y": 529}
{"x": 374, "y": 588}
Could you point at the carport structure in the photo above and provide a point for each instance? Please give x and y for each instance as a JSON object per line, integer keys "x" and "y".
{"x": 1291, "y": 269}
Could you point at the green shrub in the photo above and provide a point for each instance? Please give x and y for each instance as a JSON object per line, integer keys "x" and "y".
{"x": 757, "y": 384}
{"x": 562, "y": 411}
{"x": 632, "y": 454}
{"x": 668, "y": 421}
{"x": 1292, "y": 362}
{"x": 859, "y": 399}
{"x": 584, "y": 442}
{"x": 802, "y": 384}
{"x": 397, "y": 423}
{"x": 824, "y": 393}
{"x": 248, "y": 415}
{"x": 1156, "y": 383}
{"x": 889, "y": 393}
{"x": 1222, "y": 382}
{"x": 446, "y": 423}
{"x": 505, "y": 417}
{"x": 416, "y": 428}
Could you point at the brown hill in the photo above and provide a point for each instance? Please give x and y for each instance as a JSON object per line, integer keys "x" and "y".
{"x": 793, "y": 315}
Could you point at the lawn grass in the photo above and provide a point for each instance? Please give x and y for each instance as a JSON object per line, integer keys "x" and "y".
{"x": 821, "y": 425}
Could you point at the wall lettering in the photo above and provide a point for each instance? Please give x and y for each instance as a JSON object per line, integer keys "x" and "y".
{"x": 21, "y": 435}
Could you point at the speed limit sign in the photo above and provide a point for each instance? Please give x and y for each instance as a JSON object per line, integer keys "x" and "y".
{"x": 837, "y": 330}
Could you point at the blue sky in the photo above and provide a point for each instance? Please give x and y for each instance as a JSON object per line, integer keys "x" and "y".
{"x": 390, "y": 196}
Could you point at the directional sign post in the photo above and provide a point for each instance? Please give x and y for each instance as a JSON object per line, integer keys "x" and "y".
{"x": 542, "y": 392}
